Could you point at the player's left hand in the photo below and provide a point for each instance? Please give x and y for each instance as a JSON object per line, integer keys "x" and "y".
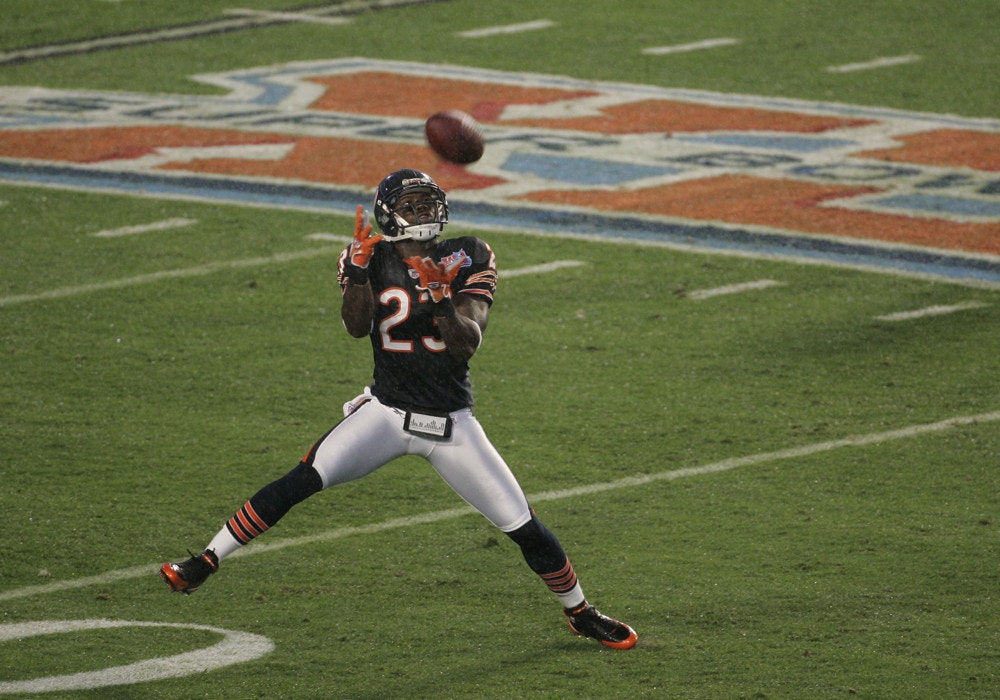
{"x": 363, "y": 244}
{"x": 436, "y": 277}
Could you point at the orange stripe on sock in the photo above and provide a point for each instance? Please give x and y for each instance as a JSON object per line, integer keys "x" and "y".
{"x": 237, "y": 531}
{"x": 246, "y": 525}
{"x": 562, "y": 580}
{"x": 252, "y": 514}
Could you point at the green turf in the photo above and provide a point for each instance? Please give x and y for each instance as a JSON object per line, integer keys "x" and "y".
{"x": 784, "y": 47}
{"x": 135, "y": 419}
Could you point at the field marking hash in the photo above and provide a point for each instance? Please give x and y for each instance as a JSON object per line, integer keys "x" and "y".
{"x": 164, "y": 225}
{"x": 932, "y": 311}
{"x": 874, "y": 64}
{"x": 693, "y": 46}
{"x": 507, "y": 29}
{"x": 699, "y": 294}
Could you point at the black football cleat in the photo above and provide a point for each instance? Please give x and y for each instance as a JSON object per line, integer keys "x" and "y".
{"x": 188, "y": 576}
{"x": 588, "y": 621}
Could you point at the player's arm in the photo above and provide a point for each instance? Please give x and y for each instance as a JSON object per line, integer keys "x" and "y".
{"x": 358, "y": 308}
{"x": 460, "y": 318}
{"x": 462, "y": 322}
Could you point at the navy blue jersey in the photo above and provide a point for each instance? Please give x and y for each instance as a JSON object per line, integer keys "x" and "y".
{"x": 413, "y": 368}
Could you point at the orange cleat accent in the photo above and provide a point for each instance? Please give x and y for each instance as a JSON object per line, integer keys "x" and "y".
{"x": 188, "y": 576}
{"x": 588, "y": 621}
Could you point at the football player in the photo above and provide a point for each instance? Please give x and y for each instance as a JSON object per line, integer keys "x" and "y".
{"x": 424, "y": 304}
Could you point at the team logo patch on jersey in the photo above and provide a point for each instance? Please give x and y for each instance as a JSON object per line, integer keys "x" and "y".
{"x": 457, "y": 255}
{"x": 681, "y": 167}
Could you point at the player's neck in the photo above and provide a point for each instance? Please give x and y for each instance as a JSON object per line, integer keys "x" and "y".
{"x": 408, "y": 248}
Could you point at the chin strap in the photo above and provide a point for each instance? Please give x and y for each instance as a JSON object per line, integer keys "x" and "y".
{"x": 417, "y": 232}
{"x": 423, "y": 232}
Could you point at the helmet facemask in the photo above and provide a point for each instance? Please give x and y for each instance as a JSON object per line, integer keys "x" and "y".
{"x": 430, "y": 214}
{"x": 429, "y": 210}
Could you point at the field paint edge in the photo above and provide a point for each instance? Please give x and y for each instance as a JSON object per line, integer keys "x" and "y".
{"x": 626, "y": 482}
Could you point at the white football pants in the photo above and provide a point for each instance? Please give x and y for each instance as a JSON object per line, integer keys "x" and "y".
{"x": 373, "y": 435}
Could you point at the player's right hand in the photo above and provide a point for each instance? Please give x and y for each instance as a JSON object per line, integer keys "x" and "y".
{"x": 363, "y": 244}
{"x": 436, "y": 277}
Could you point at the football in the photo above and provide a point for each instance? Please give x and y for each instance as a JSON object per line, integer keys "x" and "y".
{"x": 455, "y": 136}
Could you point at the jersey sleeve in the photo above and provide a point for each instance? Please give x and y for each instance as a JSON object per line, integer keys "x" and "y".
{"x": 479, "y": 278}
{"x": 342, "y": 269}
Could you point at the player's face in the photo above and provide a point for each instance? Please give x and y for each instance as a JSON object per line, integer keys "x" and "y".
{"x": 417, "y": 208}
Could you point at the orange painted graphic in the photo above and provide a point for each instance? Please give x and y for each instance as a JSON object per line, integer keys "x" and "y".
{"x": 782, "y": 204}
{"x": 346, "y": 162}
{"x": 653, "y": 116}
{"x": 960, "y": 149}
{"x": 383, "y": 93}
{"x": 379, "y": 93}
{"x": 98, "y": 145}
{"x": 558, "y": 144}
{"x": 343, "y": 161}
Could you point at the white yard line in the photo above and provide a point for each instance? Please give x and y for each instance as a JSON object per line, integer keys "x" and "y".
{"x": 538, "y": 269}
{"x": 874, "y": 64}
{"x": 931, "y": 311}
{"x": 164, "y": 225}
{"x": 189, "y": 31}
{"x": 329, "y": 237}
{"x": 288, "y": 16}
{"x": 506, "y": 29}
{"x": 211, "y": 268}
{"x": 699, "y": 294}
{"x": 196, "y": 271}
{"x": 693, "y": 46}
{"x": 149, "y": 570}
{"x": 138, "y": 38}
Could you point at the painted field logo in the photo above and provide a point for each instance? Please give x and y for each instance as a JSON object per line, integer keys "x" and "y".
{"x": 843, "y": 184}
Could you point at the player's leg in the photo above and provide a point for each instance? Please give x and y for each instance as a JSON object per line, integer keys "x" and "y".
{"x": 543, "y": 552}
{"x": 546, "y": 557}
{"x": 257, "y": 516}
{"x": 471, "y": 465}
{"x": 353, "y": 448}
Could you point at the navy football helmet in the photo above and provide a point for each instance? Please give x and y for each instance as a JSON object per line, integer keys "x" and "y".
{"x": 433, "y": 211}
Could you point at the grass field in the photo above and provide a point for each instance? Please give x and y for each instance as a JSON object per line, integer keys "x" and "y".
{"x": 790, "y": 490}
